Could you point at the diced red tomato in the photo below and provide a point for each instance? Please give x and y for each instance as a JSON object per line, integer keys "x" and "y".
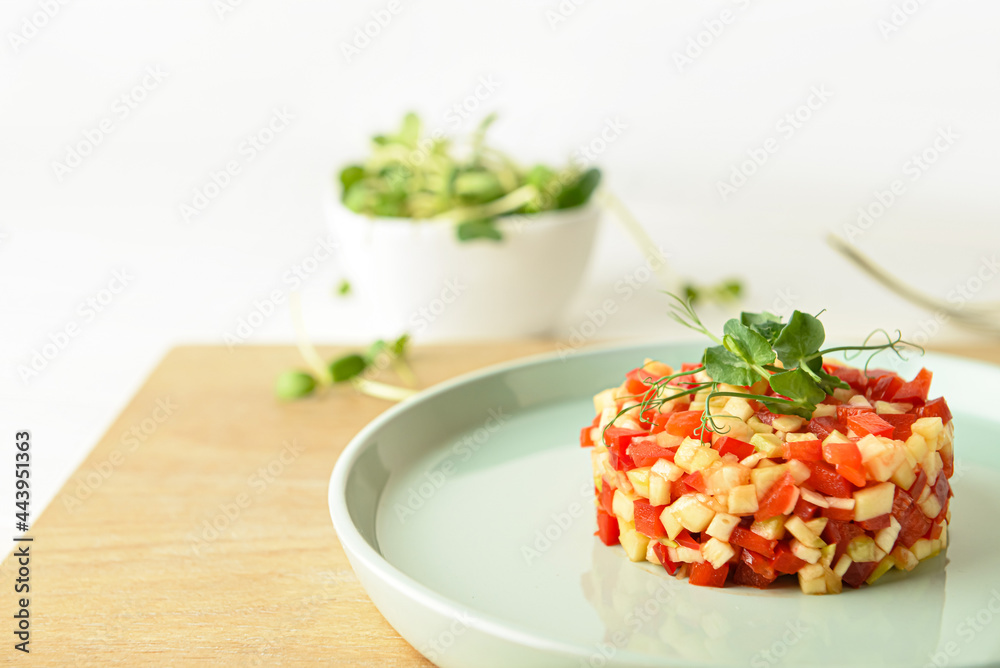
{"x": 884, "y": 386}
{"x": 916, "y": 390}
{"x": 869, "y": 423}
{"x": 645, "y": 452}
{"x": 841, "y": 533}
{"x": 585, "y": 440}
{"x": 749, "y": 540}
{"x": 948, "y": 458}
{"x": 704, "y": 575}
{"x": 607, "y": 527}
{"x": 844, "y": 411}
{"x": 914, "y": 526}
{"x": 760, "y": 564}
{"x": 638, "y": 381}
{"x": 685, "y": 423}
{"x": 728, "y": 444}
{"x": 606, "y": 497}
{"x": 636, "y": 388}
{"x": 779, "y": 500}
{"x": 647, "y": 519}
{"x": 855, "y": 476}
{"x": 842, "y": 453}
{"x": 839, "y": 514}
{"x": 825, "y": 479}
{"x": 685, "y": 539}
{"x": 935, "y": 532}
{"x": 679, "y": 488}
{"x": 618, "y": 439}
{"x": 901, "y": 425}
{"x": 685, "y": 381}
{"x": 645, "y": 375}
{"x": 942, "y": 489}
{"x": 936, "y": 408}
{"x": 913, "y": 523}
{"x": 876, "y": 523}
{"x": 853, "y": 377}
{"x": 804, "y": 451}
{"x": 786, "y": 562}
{"x": 917, "y": 488}
{"x": 695, "y": 481}
{"x": 902, "y": 501}
{"x": 805, "y": 510}
{"x": 664, "y": 556}
{"x": 743, "y": 574}
{"x": 826, "y": 425}
{"x": 765, "y": 416}
{"x": 659, "y": 422}
{"x": 858, "y": 572}
{"x": 619, "y": 460}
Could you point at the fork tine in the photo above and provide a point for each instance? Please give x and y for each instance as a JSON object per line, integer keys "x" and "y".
{"x": 982, "y": 316}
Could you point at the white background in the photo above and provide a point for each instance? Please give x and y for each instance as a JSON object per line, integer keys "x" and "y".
{"x": 557, "y": 84}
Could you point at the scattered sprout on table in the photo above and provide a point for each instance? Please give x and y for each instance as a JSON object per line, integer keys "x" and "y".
{"x": 351, "y": 368}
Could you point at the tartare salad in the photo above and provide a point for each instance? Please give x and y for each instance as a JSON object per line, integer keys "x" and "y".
{"x": 767, "y": 458}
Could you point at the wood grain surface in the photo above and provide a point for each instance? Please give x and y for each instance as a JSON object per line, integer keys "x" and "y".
{"x": 197, "y": 530}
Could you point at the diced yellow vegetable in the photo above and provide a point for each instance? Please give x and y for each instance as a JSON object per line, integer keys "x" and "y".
{"x": 722, "y": 526}
{"x": 871, "y": 502}
{"x": 639, "y": 477}
{"x": 795, "y": 526}
{"x": 743, "y": 500}
{"x": 634, "y": 542}
{"x": 717, "y": 552}
{"x": 769, "y": 444}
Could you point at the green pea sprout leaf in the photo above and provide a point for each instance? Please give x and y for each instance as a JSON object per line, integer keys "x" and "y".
{"x": 347, "y": 367}
{"x": 767, "y": 324}
{"x": 800, "y": 339}
{"x": 420, "y": 175}
{"x": 725, "y": 366}
{"x": 723, "y": 292}
{"x": 352, "y": 368}
{"x": 780, "y": 364}
{"x": 797, "y": 384}
{"x": 479, "y": 229}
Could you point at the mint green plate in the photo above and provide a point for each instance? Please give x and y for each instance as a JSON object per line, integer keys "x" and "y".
{"x": 467, "y": 513}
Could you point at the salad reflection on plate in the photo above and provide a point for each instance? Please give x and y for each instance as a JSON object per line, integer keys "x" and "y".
{"x": 647, "y": 612}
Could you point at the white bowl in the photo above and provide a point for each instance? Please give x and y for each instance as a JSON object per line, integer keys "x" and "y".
{"x": 416, "y": 276}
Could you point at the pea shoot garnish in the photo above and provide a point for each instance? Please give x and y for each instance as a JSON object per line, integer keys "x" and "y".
{"x": 351, "y": 368}
{"x": 779, "y": 363}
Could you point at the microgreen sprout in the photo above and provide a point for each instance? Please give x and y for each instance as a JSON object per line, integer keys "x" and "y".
{"x": 351, "y": 368}
{"x": 779, "y": 363}
{"x": 424, "y": 176}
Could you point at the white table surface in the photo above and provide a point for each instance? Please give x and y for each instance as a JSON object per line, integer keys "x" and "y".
{"x": 222, "y": 74}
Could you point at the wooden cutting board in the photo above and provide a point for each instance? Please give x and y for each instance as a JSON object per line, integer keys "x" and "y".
{"x": 197, "y": 530}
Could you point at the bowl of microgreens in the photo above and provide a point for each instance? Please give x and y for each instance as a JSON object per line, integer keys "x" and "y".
{"x": 457, "y": 239}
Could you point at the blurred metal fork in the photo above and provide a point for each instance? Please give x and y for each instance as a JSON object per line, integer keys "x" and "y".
{"x": 982, "y": 316}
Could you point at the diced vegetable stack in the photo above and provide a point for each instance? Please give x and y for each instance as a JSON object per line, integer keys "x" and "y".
{"x": 723, "y": 482}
